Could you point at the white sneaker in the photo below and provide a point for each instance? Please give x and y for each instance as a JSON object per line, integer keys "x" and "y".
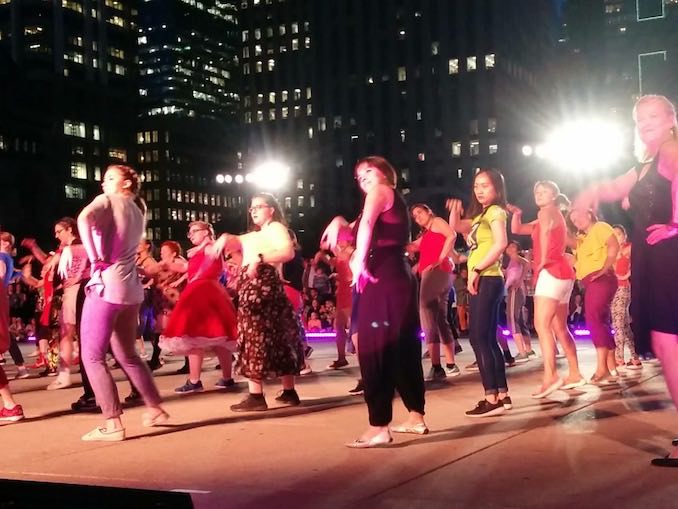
{"x": 62, "y": 381}
{"x": 22, "y": 373}
{"x": 306, "y": 371}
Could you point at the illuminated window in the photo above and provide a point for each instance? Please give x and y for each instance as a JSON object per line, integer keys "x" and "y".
{"x": 456, "y": 149}
{"x": 72, "y": 128}
{"x": 79, "y": 170}
{"x": 271, "y": 64}
{"x": 489, "y": 61}
{"x": 491, "y": 125}
{"x": 72, "y": 5}
{"x": 74, "y": 192}
{"x": 402, "y": 74}
{"x": 118, "y": 153}
{"x": 474, "y": 148}
{"x": 453, "y": 66}
{"x": 471, "y": 63}
{"x": 493, "y": 147}
{"x": 435, "y": 48}
{"x": 295, "y": 44}
{"x": 281, "y": 30}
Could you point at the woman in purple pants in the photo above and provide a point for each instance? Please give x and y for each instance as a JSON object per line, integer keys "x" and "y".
{"x": 111, "y": 227}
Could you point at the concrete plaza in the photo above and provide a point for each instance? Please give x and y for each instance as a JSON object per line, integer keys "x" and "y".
{"x": 587, "y": 448}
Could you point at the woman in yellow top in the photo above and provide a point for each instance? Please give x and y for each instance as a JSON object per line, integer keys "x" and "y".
{"x": 485, "y": 231}
{"x": 596, "y": 251}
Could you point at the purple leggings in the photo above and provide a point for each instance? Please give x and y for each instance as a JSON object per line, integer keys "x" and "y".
{"x": 115, "y": 325}
{"x": 597, "y": 302}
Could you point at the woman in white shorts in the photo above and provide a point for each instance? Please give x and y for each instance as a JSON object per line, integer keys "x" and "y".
{"x": 555, "y": 280}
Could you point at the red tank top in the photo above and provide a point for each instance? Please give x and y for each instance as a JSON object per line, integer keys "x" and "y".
{"x": 429, "y": 251}
{"x": 622, "y": 267}
{"x": 556, "y": 262}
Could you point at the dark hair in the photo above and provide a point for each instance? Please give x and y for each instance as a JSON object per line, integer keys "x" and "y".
{"x": 621, "y": 227}
{"x": 515, "y": 243}
{"x": 499, "y": 185}
{"x": 422, "y": 206}
{"x": 69, "y": 223}
{"x": 173, "y": 246}
{"x": 382, "y": 165}
{"x": 128, "y": 173}
{"x": 271, "y": 202}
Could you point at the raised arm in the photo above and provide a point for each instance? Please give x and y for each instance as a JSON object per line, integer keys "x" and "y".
{"x": 455, "y": 221}
{"x": 607, "y": 191}
{"x": 517, "y": 225}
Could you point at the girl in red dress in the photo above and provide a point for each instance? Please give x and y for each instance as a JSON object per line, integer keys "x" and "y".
{"x": 204, "y": 317}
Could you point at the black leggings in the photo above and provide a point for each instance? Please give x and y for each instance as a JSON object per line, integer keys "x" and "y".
{"x": 15, "y": 351}
{"x": 483, "y": 334}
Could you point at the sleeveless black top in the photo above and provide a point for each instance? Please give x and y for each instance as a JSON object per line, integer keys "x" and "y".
{"x": 651, "y": 201}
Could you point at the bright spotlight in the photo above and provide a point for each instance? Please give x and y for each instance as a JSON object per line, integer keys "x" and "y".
{"x": 527, "y": 150}
{"x": 228, "y": 179}
{"x": 220, "y": 179}
{"x": 271, "y": 175}
{"x": 540, "y": 151}
{"x": 249, "y": 177}
{"x": 239, "y": 179}
{"x": 585, "y": 145}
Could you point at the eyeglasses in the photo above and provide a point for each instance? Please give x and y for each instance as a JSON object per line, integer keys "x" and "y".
{"x": 191, "y": 232}
{"x": 257, "y": 208}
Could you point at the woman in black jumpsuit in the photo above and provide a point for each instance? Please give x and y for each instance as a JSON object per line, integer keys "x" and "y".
{"x": 388, "y": 323}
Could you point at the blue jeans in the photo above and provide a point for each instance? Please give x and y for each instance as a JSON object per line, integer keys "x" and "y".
{"x": 107, "y": 325}
{"x": 483, "y": 333}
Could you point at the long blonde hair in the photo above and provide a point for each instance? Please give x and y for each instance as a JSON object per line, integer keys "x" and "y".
{"x": 639, "y": 148}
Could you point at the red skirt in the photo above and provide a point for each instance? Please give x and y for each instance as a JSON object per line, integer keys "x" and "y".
{"x": 204, "y": 318}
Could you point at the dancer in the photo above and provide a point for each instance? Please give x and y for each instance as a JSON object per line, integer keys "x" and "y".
{"x": 111, "y": 227}
{"x": 515, "y": 300}
{"x": 269, "y": 344}
{"x": 10, "y": 412}
{"x": 342, "y": 279}
{"x": 389, "y": 348}
{"x": 435, "y": 268}
{"x": 146, "y": 328}
{"x": 621, "y": 320}
{"x": 73, "y": 268}
{"x": 204, "y": 317}
{"x": 485, "y": 231}
{"x": 652, "y": 190}
{"x": 596, "y": 253}
{"x": 555, "y": 281}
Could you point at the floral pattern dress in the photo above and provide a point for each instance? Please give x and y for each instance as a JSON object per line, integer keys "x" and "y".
{"x": 269, "y": 340}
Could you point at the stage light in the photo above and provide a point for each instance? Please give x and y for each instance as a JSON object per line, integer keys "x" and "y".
{"x": 271, "y": 175}
{"x": 220, "y": 179}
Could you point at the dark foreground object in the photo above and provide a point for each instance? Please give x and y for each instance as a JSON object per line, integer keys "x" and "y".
{"x": 31, "y": 494}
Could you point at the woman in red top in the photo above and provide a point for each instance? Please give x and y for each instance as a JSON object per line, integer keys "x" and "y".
{"x": 342, "y": 279}
{"x": 435, "y": 269}
{"x": 555, "y": 280}
{"x": 621, "y": 320}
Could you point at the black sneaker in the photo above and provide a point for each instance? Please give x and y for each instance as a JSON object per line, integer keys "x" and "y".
{"x": 457, "y": 348}
{"x": 508, "y": 404}
{"x": 154, "y": 364}
{"x": 308, "y": 351}
{"x": 509, "y": 360}
{"x": 288, "y": 397}
{"x": 435, "y": 374}
{"x": 85, "y": 404}
{"x": 338, "y": 364}
{"x": 252, "y": 403}
{"x": 134, "y": 398}
{"x": 358, "y": 389}
{"x": 486, "y": 409}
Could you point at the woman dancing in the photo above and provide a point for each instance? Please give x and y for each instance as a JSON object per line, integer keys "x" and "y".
{"x": 111, "y": 227}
